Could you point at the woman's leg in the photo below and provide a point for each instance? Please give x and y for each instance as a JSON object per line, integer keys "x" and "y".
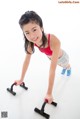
{"x": 63, "y": 61}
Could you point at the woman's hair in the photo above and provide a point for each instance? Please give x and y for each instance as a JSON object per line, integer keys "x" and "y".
{"x": 31, "y": 16}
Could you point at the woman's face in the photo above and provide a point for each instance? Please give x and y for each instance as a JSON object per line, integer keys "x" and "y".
{"x": 33, "y": 32}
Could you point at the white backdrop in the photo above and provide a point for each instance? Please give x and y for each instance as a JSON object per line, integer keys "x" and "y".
{"x": 61, "y": 19}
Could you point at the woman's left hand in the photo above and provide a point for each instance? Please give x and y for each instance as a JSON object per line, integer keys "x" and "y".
{"x": 49, "y": 98}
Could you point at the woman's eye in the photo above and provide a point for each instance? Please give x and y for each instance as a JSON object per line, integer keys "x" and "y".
{"x": 26, "y": 33}
{"x": 34, "y": 30}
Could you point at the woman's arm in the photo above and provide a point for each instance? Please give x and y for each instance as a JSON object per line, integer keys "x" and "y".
{"x": 55, "y": 47}
{"x": 24, "y": 67}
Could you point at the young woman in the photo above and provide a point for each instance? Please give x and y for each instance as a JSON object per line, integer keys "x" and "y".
{"x": 34, "y": 36}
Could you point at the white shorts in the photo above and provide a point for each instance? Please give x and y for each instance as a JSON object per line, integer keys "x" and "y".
{"x": 64, "y": 60}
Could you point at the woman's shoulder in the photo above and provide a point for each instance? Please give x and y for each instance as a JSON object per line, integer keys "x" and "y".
{"x": 54, "y": 40}
{"x": 52, "y": 36}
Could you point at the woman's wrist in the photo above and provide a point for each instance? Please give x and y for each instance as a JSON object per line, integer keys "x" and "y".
{"x": 21, "y": 79}
{"x": 49, "y": 93}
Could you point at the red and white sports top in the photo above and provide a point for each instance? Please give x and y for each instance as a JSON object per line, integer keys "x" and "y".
{"x": 46, "y": 50}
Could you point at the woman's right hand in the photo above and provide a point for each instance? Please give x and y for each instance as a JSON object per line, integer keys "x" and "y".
{"x": 18, "y": 82}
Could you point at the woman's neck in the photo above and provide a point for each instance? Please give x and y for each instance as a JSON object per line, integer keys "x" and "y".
{"x": 40, "y": 43}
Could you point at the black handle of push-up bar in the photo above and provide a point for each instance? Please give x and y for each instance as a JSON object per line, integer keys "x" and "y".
{"x": 43, "y": 106}
{"x": 12, "y": 86}
{"x": 53, "y": 103}
{"x": 16, "y": 84}
{"x": 45, "y": 102}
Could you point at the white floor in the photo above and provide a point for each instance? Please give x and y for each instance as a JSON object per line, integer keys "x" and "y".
{"x": 66, "y": 91}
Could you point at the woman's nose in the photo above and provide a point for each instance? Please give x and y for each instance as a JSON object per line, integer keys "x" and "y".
{"x": 32, "y": 37}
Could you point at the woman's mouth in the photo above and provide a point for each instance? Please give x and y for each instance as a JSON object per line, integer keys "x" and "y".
{"x": 35, "y": 39}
